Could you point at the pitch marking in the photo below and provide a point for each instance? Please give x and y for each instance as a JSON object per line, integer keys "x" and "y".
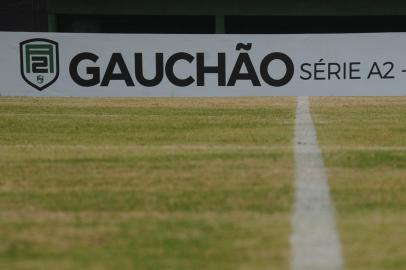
{"x": 314, "y": 241}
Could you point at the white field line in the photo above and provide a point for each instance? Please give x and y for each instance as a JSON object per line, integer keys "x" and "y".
{"x": 315, "y": 243}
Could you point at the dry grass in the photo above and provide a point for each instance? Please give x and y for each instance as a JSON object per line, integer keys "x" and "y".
{"x": 364, "y": 145}
{"x": 145, "y": 183}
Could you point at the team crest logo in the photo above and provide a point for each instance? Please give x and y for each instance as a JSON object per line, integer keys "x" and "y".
{"x": 39, "y": 62}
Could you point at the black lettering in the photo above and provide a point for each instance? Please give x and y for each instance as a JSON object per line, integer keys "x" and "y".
{"x": 159, "y": 66}
{"x": 220, "y": 69}
{"x": 318, "y": 69}
{"x": 391, "y": 66}
{"x": 309, "y": 74}
{"x": 335, "y": 72}
{"x": 93, "y": 71}
{"x": 236, "y": 74}
{"x": 354, "y": 70}
{"x": 290, "y": 69}
{"x": 170, "y": 73}
{"x": 124, "y": 75}
{"x": 375, "y": 71}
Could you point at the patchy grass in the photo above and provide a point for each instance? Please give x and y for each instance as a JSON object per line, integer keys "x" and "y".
{"x": 364, "y": 145}
{"x": 145, "y": 183}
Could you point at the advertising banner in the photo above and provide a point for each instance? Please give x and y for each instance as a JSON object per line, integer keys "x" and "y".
{"x": 162, "y": 65}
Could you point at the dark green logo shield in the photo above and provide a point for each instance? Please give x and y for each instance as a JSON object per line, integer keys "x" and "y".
{"x": 39, "y": 60}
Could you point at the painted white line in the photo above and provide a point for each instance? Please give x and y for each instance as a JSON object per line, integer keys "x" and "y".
{"x": 314, "y": 241}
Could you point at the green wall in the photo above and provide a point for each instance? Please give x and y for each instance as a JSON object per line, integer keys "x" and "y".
{"x": 230, "y": 7}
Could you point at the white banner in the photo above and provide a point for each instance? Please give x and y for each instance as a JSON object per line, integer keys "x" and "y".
{"x": 116, "y": 65}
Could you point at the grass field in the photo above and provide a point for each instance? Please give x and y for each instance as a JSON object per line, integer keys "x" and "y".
{"x": 364, "y": 145}
{"x": 179, "y": 184}
{"x": 145, "y": 183}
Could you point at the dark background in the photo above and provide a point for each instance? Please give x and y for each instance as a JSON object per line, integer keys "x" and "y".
{"x": 256, "y": 17}
{"x": 23, "y": 15}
